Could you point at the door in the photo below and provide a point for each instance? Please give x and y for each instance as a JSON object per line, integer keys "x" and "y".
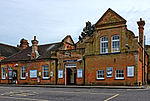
{"x": 14, "y": 76}
{"x": 71, "y": 76}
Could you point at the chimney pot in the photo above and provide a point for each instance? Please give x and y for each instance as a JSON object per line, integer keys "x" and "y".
{"x": 141, "y": 24}
{"x": 34, "y": 37}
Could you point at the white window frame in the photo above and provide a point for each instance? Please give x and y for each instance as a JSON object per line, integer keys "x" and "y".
{"x": 23, "y": 69}
{"x": 79, "y": 73}
{"x": 60, "y": 73}
{"x": 120, "y": 73}
{"x": 109, "y": 70}
{"x": 130, "y": 71}
{"x": 3, "y": 73}
{"x": 44, "y": 70}
{"x": 115, "y": 49}
{"x": 104, "y": 43}
{"x": 99, "y": 73}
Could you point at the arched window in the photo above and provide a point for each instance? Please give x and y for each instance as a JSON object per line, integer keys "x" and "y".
{"x": 115, "y": 44}
{"x": 104, "y": 45}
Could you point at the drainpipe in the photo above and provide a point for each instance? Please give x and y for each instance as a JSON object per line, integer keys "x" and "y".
{"x": 84, "y": 70}
{"x": 144, "y": 68}
{"x": 56, "y": 65}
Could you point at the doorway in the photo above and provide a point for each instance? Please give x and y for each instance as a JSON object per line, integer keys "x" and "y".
{"x": 71, "y": 76}
{"x": 14, "y": 76}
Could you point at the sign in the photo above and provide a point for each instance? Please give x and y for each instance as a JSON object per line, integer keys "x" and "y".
{"x": 60, "y": 73}
{"x": 39, "y": 73}
{"x": 26, "y": 74}
{"x": 130, "y": 71}
{"x": 79, "y": 73}
{"x": 33, "y": 73}
{"x": 75, "y": 60}
{"x": 109, "y": 71}
{"x": 51, "y": 74}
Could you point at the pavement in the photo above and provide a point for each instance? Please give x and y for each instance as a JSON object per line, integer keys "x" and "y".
{"x": 76, "y": 86}
{"x": 69, "y": 94}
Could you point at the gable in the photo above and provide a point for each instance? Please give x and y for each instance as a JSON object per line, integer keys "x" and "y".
{"x": 68, "y": 43}
{"x": 68, "y": 39}
{"x": 110, "y": 17}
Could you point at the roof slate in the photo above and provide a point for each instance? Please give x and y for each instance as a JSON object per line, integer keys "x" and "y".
{"x": 24, "y": 55}
{"x": 7, "y": 50}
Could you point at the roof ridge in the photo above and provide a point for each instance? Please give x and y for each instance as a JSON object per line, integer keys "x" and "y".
{"x": 48, "y": 44}
{"x": 9, "y": 45}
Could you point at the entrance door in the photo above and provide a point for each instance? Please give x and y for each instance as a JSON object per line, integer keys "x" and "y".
{"x": 14, "y": 76}
{"x": 71, "y": 76}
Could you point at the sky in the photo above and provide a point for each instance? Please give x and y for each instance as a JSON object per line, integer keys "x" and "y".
{"x": 52, "y": 20}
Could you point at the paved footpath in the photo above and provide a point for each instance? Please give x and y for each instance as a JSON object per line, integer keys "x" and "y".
{"x": 75, "y": 86}
{"x": 70, "y": 94}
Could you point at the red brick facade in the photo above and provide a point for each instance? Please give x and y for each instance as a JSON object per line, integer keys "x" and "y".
{"x": 107, "y": 53}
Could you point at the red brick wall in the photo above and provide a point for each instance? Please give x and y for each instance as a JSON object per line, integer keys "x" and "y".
{"x": 37, "y": 65}
{"x": 117, "y": 61}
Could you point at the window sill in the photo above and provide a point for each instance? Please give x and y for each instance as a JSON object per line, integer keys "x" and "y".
{"x": 100, "y": 79}
{"x": 119, "y": 79}
{"x": 109, "y": 76}
{"x": 45, "y": 78}
{"x": 115, "y": 52}
{"x": 103, "y": 53}
{"x": 60, "y": 78}
{"x": 130, "y": 76}
{"x": 3, "y": 79}
{"x": 22, "y": 78}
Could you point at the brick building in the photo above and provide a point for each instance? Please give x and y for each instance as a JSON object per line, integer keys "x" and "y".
{"x": 107, "y": 53}
{"x": 33, "y": 65}
{"x": 113, "y": 55}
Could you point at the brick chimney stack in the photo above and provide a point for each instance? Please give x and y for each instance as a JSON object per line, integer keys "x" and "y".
{"x": 24, "y": 44}
{"x": 141, "y": 24}
{"x": 34, "y": 48}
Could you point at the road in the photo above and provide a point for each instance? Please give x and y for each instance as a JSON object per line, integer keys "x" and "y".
{"x": 72, "y": 94}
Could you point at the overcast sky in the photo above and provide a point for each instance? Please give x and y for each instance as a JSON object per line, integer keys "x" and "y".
{"x": 52, "y": 20}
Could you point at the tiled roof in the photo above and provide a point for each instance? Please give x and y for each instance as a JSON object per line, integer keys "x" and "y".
{"x": 43, "y": 50}
{"x": 7, "y": 50}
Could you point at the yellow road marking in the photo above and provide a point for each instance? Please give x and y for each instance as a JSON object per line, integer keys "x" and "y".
{"x": 29, "y": 99}
{"x": 111, "y": 97}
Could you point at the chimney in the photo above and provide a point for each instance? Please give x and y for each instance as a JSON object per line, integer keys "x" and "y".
{"x": 34, "y": 53}
{"x": 141, "y": 24}
{"x": 24, "y": 44}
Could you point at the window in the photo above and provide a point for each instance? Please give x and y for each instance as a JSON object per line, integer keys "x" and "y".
{"x": 130, "y": 71}
{"x": 115, "y": 44}
{"x": 109, "y": 71}
{"x": 104, "y": 45}
{"x": 100, "y": 74}
{"x": 23, "y": 73}
{"x": 60, "y": 73}
{"x": 79, "y": 71}
{"x": 45, "y": 71}
{"x": 3, "y": 73}
{"x": 119, "y": 74}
